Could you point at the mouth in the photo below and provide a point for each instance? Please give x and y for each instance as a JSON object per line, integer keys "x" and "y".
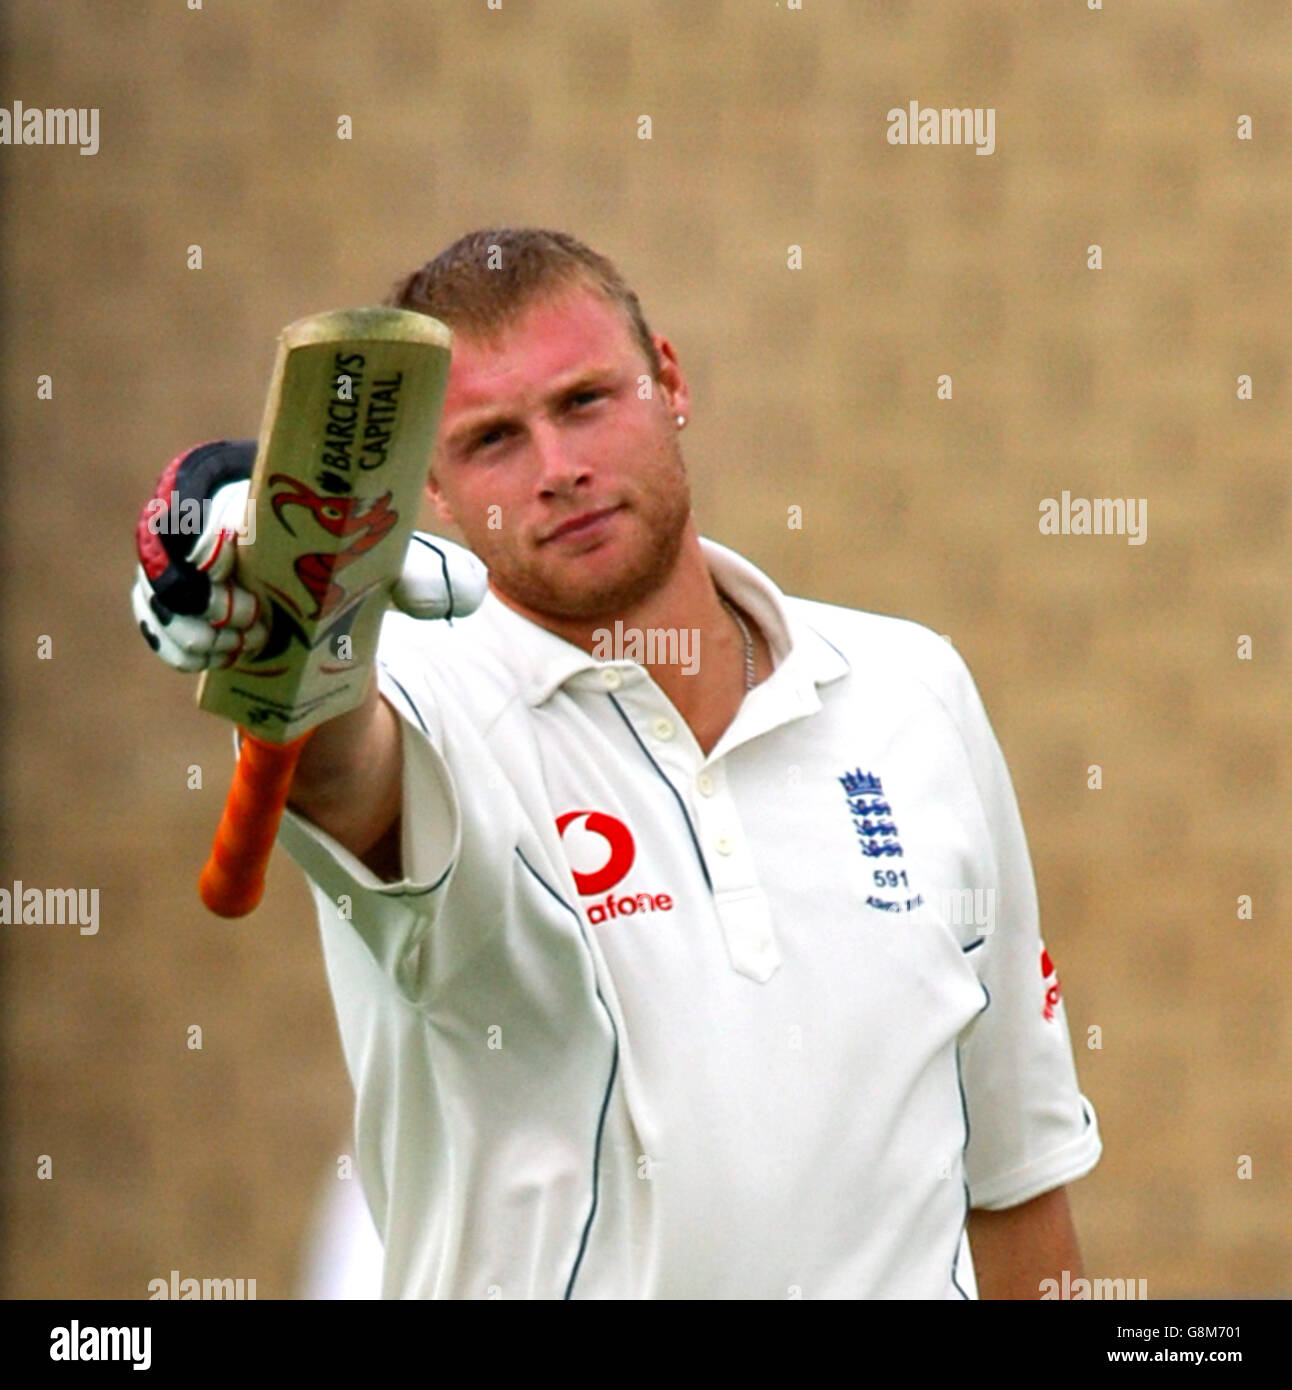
{"x": 583, "y": 525}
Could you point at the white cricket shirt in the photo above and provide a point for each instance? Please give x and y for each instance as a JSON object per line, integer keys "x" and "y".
{"x": 642, "y": 1023}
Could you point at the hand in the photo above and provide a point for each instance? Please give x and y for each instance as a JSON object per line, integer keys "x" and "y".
{"x": 189, "y": 609}
{"x": 186, "y": 600}
{"x": 439, "y": 579}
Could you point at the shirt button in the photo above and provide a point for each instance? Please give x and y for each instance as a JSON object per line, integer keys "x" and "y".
{"x": 662, "y": 729}
{"x": 723, "y": 844}
{"x": 611, "y": 679}
{"x": 704, "y": 784}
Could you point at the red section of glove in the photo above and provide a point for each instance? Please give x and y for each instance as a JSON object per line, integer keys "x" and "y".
{"x": 148, "y": 541}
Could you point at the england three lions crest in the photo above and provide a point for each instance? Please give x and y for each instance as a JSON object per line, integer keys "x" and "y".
{"x": 877, "y": 838}
{"x": 872, "y": 816}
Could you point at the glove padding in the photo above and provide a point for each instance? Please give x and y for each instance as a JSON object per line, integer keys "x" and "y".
{"x": 186, "y": 602}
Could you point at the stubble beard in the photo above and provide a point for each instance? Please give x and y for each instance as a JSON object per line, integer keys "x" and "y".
{"x": 661, "y": 513}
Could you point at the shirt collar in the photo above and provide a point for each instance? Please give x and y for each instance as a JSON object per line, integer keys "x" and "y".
{"x": 545, "y": 662}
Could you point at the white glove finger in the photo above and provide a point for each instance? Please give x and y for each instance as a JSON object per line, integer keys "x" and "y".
{"x": 440, "y": 579}
{"x": 254, "y": 637}
{"x": 197, "y": 637}
{"x": 176, "y": 657}
{"x": 215, "y": 550}
{"x": 211, "y": 646}
{"x": 232, "y": 606}
{"x": 155, "y": 629}
{"x": 194, "y": 644}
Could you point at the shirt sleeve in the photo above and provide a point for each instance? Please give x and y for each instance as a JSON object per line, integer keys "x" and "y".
{"x": 391, "y": 917}
{"x": 1030, "y": 1128}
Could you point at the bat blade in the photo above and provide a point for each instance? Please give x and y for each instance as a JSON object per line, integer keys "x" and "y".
{"x": 343, "y": 453}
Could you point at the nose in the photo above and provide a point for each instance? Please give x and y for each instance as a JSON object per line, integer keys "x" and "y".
{"x": 559, "y": 468}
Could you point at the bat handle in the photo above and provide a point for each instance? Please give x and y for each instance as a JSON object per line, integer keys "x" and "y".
{"x": 234, "y": 877}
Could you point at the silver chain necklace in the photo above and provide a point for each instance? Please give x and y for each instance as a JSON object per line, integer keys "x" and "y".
{"x": 749, "y": 642}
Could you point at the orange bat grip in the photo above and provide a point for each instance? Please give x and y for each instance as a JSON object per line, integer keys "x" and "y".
{"x": 234, "y": 877}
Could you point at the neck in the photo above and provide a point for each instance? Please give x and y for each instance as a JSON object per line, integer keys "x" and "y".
{"x": 685, "y": 637}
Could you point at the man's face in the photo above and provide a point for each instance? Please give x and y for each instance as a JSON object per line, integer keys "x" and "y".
{"x": 544, "y": 427}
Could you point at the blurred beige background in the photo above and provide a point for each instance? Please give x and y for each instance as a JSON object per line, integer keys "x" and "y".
{"x": 814, "y": 387}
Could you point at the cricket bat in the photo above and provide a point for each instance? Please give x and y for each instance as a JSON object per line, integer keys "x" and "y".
{"x": 343, "y": 453}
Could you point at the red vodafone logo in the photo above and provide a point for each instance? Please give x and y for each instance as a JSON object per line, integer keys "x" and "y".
{"x": 617, "y": 859}
{"x": 620, "y": 850}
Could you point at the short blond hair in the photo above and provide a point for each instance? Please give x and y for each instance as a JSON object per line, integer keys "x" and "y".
{"x": 488, "y": 278}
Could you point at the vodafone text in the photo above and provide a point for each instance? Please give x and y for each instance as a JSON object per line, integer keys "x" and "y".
{"x": 629, "y": 905}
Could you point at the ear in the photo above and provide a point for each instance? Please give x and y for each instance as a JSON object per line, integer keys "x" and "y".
{"x": 442, "y": 508}
{"x": 674, "y": 390}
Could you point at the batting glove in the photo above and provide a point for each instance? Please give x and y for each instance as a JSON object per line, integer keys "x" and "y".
{"x": 186, "y": 602}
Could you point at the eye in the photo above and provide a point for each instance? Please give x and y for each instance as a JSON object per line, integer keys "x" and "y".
{"x": 587, "y": 396}
{"x": 487, "y": 439}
